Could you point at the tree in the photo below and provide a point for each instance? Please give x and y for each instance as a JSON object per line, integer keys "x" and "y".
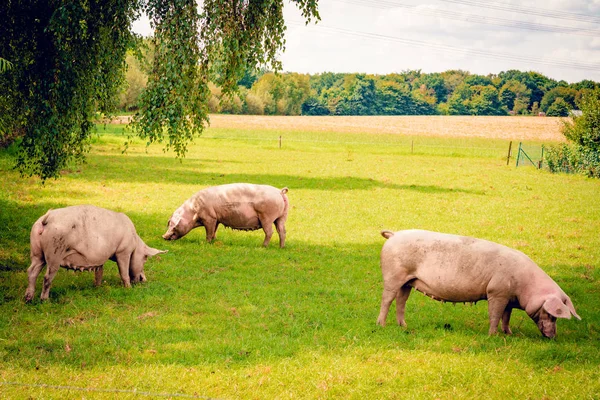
{"x": 69, "y": 63}
{"x": 485, "y": 101}
{"x": 434, "y": 82}
{"x": 5, "y": 65}
{"x": 514, "y": 95}
{"x": 559, "y": 108}
{"x": 135, "y": 83}
{"x": 567, "y": 94}
{"x": 312, "y": 106}
{"x": 394, "y": 98}
{"x": 360, "y": 95}
{"x": 459, "y": 102}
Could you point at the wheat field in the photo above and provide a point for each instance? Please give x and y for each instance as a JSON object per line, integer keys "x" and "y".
{"x": 531, "y": 129}
{"x": 536, "y": 129}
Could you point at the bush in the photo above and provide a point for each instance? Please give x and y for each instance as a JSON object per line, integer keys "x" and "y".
{"x": 583, "y": 153}
{"x": 589, "y": 164}
{"x": 562, "y": 158}
{"x": 254, "y": 105}
{"x": 231, "y": 104}
{"x": 214, "y": 105}
{"x": 573, "y": 159}
{"x": 585, "y": 129}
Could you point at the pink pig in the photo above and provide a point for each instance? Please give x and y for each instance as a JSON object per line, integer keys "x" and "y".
{"x": 464, "y": 269}
{"x": 83, "y": 238}
{"x": 242, "y": 206}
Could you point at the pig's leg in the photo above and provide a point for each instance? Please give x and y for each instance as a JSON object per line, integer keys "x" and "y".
{"x": 387, "y": 298}
{"x": 211, "y": 226}
{"x": 505, "y": 321}
{"x": 401, "y": 298}
{"x": 123, "y": 261}
{"x": 496, "y": 307}
{"x": 98, "y": 275}
{"x": 51, "y": 271}
{"x": 267, "y": 226}
{"x": 280, "y": 226}
{"x": 37, "y": 263}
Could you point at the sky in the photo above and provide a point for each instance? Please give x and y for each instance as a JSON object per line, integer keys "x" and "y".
{"x": 558, "y": 38}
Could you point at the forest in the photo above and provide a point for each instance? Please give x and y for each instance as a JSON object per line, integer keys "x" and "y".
{"x": 453, "y": 92}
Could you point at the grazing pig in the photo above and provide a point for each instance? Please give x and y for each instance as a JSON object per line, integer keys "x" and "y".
{"x": 83, "y": 238}
{"x": 464, "y": 269}
{"x": 242, "y": 206}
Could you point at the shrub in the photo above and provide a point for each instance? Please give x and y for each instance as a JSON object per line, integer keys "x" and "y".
{"x": 231, "y": 104}
{"x": 254, "y": 105}
{"x": 585, "y": 129}
{"x": 214, "y": 105}
{"x": 562, "y": 158}
{"x": 583, "y": 153}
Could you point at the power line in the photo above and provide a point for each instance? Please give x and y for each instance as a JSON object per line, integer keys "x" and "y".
{"x": 447, "y": 48}
{"x": 479, "y": 19}
{"x": 527, "y": 10}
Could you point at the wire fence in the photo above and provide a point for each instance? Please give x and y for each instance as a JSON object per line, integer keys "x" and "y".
{"x": 424, "y": 146}
{"x": 103, "y": 390}
{"x": 524, "y": 153}
{"x": 530, "y": 155}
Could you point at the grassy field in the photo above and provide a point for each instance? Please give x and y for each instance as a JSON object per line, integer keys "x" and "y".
{"x": 234, "y": 320}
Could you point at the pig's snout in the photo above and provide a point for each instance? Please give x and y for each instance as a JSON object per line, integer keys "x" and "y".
{"x": 170, "y": 235}
{"x": 548, "y": 328}
{"x": 139, "y": 278}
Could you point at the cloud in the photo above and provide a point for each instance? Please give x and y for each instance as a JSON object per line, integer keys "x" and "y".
{"x": 385, "y": 36}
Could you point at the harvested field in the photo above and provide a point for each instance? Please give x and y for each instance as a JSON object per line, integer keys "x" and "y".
{"x": 533, "y": 129}
{"x": 537, "y": 129}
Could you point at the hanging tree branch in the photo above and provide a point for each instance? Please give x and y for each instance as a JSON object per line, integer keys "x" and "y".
{"x": 69, "y": 62}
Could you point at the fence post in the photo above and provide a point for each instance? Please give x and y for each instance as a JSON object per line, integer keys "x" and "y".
{"x": 509, "y": 149}
{"x": 279, "y": 141}
{"x": 542, "y": 159}
{"x": 518, "y": 154}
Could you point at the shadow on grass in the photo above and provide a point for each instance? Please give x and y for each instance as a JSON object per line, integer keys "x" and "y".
{"x": 234, "y": 303}
{"x": 167, "y": 170}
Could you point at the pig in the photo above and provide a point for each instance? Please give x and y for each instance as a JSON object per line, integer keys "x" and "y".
{"x": 83, "y": 238}
{"x": 464, "y": 269}
{"x": 241, "y": 206}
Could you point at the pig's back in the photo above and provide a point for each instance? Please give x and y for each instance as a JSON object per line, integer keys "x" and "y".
{"x": 87, "y": 229}
{"x": 452, "y": 267}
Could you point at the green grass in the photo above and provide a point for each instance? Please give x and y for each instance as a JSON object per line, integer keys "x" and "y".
{"x": 234, "y": 320}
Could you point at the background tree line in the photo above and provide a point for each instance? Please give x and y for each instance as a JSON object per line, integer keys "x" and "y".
{"x": 453, "y": 92}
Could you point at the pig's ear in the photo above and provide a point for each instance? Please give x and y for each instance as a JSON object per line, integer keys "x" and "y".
{"x": 387, "y": 234}
{"x": 572, "y": 309}
{"x": 152, "y": 252}
{"x": 556, "y": 308}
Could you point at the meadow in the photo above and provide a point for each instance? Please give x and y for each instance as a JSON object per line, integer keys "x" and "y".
{"x": 234, "y": 320}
